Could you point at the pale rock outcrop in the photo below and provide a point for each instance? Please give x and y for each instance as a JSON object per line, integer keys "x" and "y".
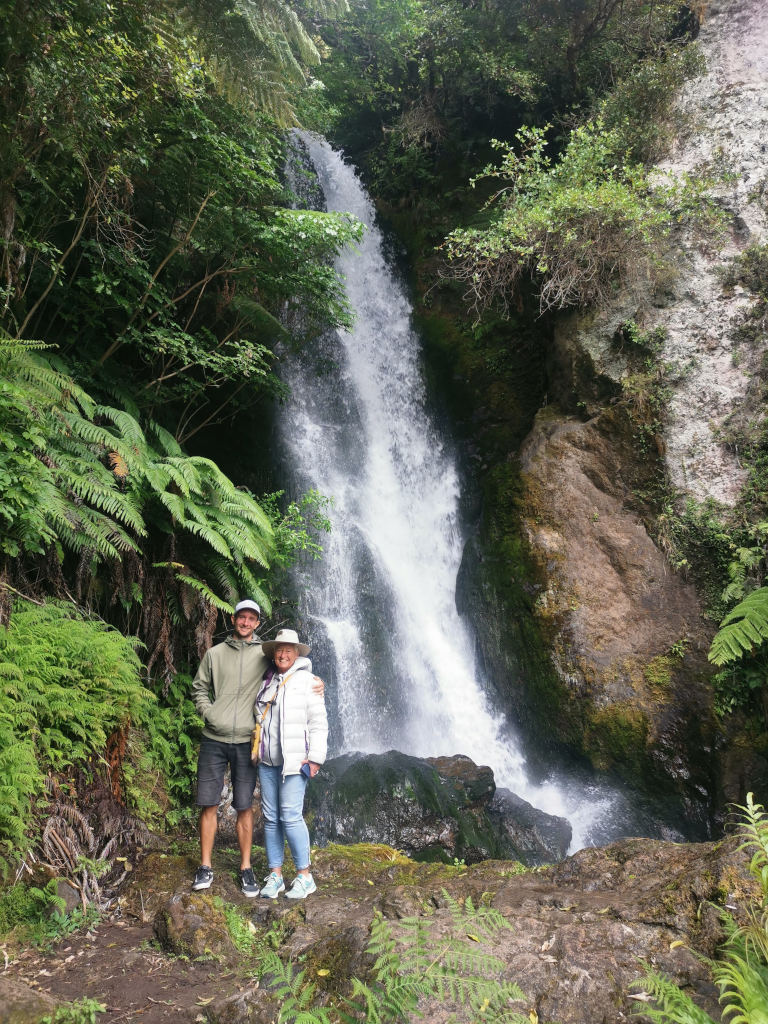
{"x": 727, "y": 118}
{"x": 729, "y": 132}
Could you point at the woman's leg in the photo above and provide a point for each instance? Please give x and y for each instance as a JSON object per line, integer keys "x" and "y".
{"x": 274, "y": 837}
{"x": 291, "y": 817}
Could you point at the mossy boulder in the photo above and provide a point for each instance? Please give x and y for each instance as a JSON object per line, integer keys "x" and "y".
{"x": 628, "y": 639}
{"x": 20, "y": 1004}
{"x": 432, "y": 809}
{"x": 191, "y": 924}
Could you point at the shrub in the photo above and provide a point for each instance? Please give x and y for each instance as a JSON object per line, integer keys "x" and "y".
{"x": 579, "y": 227}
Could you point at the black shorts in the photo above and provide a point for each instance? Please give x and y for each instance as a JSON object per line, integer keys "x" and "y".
{"x": 211, "y": 767}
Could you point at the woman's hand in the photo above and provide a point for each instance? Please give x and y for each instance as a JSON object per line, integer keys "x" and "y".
{"x": 313, "y": 768}
{"x": 318, "y": 686}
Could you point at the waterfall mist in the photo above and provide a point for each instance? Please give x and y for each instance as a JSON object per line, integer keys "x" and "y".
{"x": 380, "y": 606}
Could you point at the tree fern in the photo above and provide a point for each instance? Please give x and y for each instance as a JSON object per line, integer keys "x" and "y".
{"x": 201, "y": 588}
{"x": 752, "y": 831}
{"x": 743, "y": 629}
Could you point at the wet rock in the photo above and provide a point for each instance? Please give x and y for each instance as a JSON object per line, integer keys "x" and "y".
{"x": 191, "y": 925}
{"x": 530, "y": 835}
{"x": 20, "y": 1004}
{"x": 431, "y": 809}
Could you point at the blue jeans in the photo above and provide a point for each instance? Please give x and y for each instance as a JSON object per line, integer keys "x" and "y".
{"x": 282, "y": 803}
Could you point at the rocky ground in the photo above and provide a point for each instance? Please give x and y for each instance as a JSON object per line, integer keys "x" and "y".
{"x": 580, "y": 932}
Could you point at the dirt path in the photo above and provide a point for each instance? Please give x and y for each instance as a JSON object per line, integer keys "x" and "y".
{"x": 119, "y": 965}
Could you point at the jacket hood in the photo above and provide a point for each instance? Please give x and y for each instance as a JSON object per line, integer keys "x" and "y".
{"x": 301, "y": 663}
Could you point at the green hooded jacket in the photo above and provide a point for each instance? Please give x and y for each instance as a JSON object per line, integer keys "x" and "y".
{"x": 225, "y": 688}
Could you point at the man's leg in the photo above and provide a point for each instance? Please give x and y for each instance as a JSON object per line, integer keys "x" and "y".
{"x": 245, "y": 836}
{"x": 211, "y": 766}
{"x": 243, "y": 784}
{"x": 208, "y": 826}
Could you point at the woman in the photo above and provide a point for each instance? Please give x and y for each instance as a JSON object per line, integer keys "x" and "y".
{"x": 292, "y": 746}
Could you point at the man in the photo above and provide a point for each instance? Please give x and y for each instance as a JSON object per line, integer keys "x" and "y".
{"x": 224, "y": 691}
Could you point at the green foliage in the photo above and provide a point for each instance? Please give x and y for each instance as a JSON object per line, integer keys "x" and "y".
{"x": 410, "y": 962}
{"x": 79, "y": 1011}
{"x": 441, "y": 77}
{"x": 87, "y": 479}
{"x": 259, "y": 49}
{"x": 50, "y": 928}
{"x": 242, "y": 931}
{"x": 697, "y": 540}
{"x": 68, "y": 683}
{"x": 741, "y": 972}
{"x": 740, "y": 686}
{"x": 34, "y": 916}
{"x": 673, "y": 1006}
{"x": 16, "y": 905}
{"x": 296, "y": 525}
{"x": 642, "y": 106}
{"x": 160, "y": 770}
{"x": 580, "y": 226}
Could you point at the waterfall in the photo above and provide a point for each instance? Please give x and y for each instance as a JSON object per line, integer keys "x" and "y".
{"x": 380, "y": 605}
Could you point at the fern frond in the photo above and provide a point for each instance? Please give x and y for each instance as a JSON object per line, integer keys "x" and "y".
{"x": 168, "y": 443}
{"x": 127, "y": 426}
{"x": 206, "y": 592}
{"x": 742, "y": 630}
{"x": 673, "y": 1006}
{"x": 743, "y": 990}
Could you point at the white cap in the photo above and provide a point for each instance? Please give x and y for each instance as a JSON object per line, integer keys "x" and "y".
{"x": 247, "y": 605}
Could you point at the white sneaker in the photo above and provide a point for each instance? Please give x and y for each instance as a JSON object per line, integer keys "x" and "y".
{"x": 302, "y": 886}
{"x": 275, "y": 885}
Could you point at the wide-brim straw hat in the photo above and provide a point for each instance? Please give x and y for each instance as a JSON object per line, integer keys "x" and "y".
{"x": 285, "y": 636}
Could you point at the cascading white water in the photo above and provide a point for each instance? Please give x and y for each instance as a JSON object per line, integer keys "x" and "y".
{"x": 381, "y": 603}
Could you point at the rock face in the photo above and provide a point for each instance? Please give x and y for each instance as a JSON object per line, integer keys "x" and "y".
{"x": 434, "y": 809}
{"x": 591, "y": 634}
{"x": 628, "y": 642}
{"x": 577, "y": 937}
{"x": 712, "y": 373}
{"x": 729, "y": 132}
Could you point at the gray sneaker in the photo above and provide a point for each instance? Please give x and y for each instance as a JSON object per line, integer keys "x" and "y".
{"x": 203, "y": 878}
{"x": 302, "y": 886}
{"x": 275, "y": 885}
{"x": 248, "y": 882}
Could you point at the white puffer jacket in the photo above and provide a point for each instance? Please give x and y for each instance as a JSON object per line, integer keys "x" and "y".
{"x": 298, "y": 713}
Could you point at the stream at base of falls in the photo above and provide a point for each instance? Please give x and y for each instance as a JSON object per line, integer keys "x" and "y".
{"x": 379, "y": 608}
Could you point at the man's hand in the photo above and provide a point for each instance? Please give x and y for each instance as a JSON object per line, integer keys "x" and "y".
{"x": 318, "y": 686}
